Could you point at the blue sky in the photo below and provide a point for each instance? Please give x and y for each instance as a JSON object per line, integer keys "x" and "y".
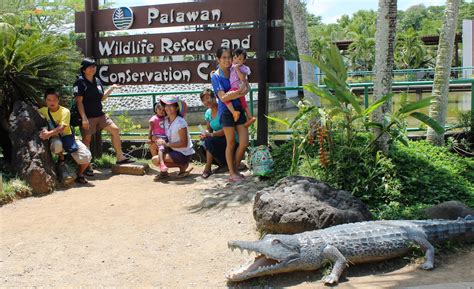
{"x": 329, "y": 10}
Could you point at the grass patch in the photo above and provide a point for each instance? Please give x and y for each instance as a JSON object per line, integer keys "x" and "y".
{"x": 14, "y": 189}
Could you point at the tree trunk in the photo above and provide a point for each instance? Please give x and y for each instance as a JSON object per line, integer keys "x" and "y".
{"x": 298, "y": 14}
{"x": 439, "y": 105}
{"x": 384, "y": 54}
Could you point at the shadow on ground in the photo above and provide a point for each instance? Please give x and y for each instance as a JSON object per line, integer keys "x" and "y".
{"x": 314, "y": 277}
{"x": 222, "y": 194}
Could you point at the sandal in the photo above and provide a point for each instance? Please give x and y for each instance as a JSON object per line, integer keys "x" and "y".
{"x": 206, "y": 174}
{"x": 235, "y": 179}
{"x": 81, "y": 180}
{"x": 162, "y": 175}
{"x": 221, "y": 169}
{"x": 89, "y": 172}
{"x": 124, "y": 161}
{"x": 184, "y": 174}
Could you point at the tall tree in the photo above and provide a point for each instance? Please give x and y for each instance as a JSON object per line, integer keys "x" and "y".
{"x": 439, "y": 104}
{"x": 298, "y": 14}
{"x": 384, "y": 58}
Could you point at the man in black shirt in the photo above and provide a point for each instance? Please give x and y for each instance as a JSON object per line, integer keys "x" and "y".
{"x": 89, "y": 94}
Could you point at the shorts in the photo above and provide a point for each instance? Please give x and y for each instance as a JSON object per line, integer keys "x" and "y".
{"x": 82, "y": 156}
{"x": 97, "y": 124}
{"x": 227, "y": 119}
{"x": 160, "y": 136}
{"x": 178, "y": 157}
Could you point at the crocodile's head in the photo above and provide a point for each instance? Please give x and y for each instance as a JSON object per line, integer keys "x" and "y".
{"x": 275, "y": 254}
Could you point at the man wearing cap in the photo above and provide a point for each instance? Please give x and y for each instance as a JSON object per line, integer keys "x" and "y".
{"x": 89, "y": 94}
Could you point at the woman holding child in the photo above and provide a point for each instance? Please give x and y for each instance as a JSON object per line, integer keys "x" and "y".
{"x": 176, "y": 147}
{"x": 222, "y": 88}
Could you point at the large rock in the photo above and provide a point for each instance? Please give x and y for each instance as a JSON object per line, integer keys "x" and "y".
{"x": 31, "y": 158}
{"x": 449, "y": 210}
{"x": 296, "y": 204}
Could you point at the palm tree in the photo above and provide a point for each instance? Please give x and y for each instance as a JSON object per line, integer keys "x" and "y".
{"x": 410, "y": 51}
{"x": 361, "y": 52}
{"x": 384, "y": 57}
{"x": 439, "y": 104}
{"x": 31, "y": 62}
{"x": 298, "y": 14}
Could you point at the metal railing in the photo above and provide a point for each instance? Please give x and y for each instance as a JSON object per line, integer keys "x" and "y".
{"x": 365, "y": 86}
{"x": 414, "y": 74}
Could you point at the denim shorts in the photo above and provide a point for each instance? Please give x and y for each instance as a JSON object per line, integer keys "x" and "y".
{"x": 178, "y": 157}
{"x": 227, "y": 119}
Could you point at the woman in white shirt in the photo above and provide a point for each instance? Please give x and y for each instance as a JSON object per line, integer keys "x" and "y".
{"x": 179, "y": 148}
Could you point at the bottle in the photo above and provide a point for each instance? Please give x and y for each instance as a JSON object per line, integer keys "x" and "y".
{"x": 201, "y": 129}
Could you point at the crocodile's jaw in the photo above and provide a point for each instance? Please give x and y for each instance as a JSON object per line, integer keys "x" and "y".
{"x": 267, "y": 262}
{"x": 261, "y": 266}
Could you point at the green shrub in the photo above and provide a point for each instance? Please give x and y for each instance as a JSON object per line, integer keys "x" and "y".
{"x": 397, "y": 186}
{"x": 431, "y": 174}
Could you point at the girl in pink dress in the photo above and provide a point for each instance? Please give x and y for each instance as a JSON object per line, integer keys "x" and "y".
{"x": 157, "y": 131}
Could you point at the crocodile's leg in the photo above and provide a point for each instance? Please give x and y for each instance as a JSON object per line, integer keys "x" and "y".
{"x": 340, "y": 263}
{"x": 427, "y": 248}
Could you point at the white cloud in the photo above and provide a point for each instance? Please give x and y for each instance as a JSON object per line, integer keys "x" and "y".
{"x": 331, "y": 10}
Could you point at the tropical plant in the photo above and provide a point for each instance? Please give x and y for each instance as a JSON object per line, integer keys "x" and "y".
{"x": 30, "y": 62}
{"x": 361, "y": 52}
{"x": 410, "y": 52}
{"x": 343, "y": 114}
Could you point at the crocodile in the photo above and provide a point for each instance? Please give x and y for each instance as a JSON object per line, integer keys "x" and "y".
{"x": 346, "y": 244}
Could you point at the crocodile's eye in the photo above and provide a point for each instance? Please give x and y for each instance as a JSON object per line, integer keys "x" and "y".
{"x": 276, "y": 242}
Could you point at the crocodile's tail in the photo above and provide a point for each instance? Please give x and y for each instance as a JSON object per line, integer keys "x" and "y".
{"x": 442, "y": 230}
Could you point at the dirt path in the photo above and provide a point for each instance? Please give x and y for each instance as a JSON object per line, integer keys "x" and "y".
{"x": 131, "y": 231}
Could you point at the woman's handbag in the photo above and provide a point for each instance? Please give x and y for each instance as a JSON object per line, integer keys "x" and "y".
{"x": 69, "y": 141}
{"x": 76, "y": 119}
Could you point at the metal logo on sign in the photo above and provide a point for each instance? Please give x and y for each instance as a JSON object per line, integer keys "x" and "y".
{"x": 123, "y": 18}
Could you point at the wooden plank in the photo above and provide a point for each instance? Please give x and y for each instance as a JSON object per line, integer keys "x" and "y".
{"x": 231, "y": 11}
{"x": 177, "y": 72}
{"x": 184, "y": 43}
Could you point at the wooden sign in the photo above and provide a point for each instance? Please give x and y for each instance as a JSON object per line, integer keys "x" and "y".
{"x": 214, "y": 18}
{"x": 181, "y": 14}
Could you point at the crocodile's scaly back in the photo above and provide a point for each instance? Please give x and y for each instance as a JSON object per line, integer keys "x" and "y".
{"x": 442, "y": 230}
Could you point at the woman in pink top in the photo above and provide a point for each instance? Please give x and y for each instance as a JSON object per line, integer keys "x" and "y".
{"x": 157, "y": 132}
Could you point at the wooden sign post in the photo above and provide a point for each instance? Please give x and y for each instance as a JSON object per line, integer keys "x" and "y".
{"x": 262, "y": 129}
